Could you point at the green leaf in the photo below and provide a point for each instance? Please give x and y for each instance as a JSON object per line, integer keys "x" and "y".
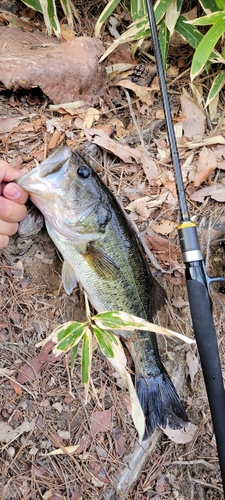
{"x": 33, "y": 4}
{"x": 188, "y": 32}
{"x": 70, "y": 336}
{"x": 205, "y": 48}
{"x": 138, "y": 9}
{"x": 160, "y": 8}
{"x": 164, "y": 38}
{"x": 217, "y": 85}
{"x": 73, "y": 355}
{"x": 220, "y": 4}
{"x": 208, "y": 5}
{"x": 105, "y": 341}
{"x": 86, "y": 357}
{"x": 67, "y": 9}
{"x": 206, "y": 20}
{"x": 120, "y": 320}
{"x": 110, "y": 7}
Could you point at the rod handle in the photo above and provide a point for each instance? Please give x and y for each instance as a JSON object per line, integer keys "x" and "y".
{"x": 205, "y": 333}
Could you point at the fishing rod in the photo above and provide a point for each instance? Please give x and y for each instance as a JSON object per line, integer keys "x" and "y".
{"x": 197, "y": 280}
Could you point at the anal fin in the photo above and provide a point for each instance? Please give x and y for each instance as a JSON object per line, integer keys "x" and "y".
{"x": 68, "y": 277}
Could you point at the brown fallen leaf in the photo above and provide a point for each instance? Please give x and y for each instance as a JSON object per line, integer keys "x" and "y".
{"x": 7, "y": 433}
{"x": 101, "y": 420}
{"x": 120, "y": 442}
{"x": 165, "y": 226}
{"x": 127, "y": 154}
{"x": 17, "y": 388}
{"x": 207, "y": 163}
{"x": 8, "y": 124}
{"x": 145, "y": 94}
{"x": 28, "y": 372}
{"x": 216, "y": 191}
{"x": 98, "y": 472}
{"x": 194, "y": 121}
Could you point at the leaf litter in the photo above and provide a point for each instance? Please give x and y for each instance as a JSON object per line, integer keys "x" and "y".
{"x": 29, "y": 131}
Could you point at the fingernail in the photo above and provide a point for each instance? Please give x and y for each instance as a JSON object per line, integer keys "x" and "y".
{"x": 13, "y": 191}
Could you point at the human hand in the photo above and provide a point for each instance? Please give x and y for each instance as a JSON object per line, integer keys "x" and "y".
{"x": 12, "y": 199}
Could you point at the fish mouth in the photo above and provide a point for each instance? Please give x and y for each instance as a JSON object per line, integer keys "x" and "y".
{"x": 47, "y": 175}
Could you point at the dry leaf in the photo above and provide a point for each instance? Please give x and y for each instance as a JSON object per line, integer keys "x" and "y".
{"x": 101, "y": 420}
{"x": 17, "y": 388}
{"x": 8, "y": 124}
{"x": 206, "y": 165}
{"x": 119, "y": 440}
{"x": 144, "y": 93}
{"x": 208, "y": 141}
{"x": 192, "y": 363}
{"x": 29, "y": 371}
{"x": 92, "y": 115}
{"x": 181, "y": 436}
{"x": 127, "y": 154}
{"x": 60, "y": 451}
{"x": 216, "y": 191}
{"x": 120, "y": 130}
{"x": 194, "y": 121}
{"x": 6, "y": 372}
{"x": 165, "y": 226}
{"x": 7, "y": 433}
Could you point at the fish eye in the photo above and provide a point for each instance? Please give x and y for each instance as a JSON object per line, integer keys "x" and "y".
{"x": 83, "y": 171}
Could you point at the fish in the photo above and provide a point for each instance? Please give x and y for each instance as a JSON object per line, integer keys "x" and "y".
{"x": 102, "y": 252}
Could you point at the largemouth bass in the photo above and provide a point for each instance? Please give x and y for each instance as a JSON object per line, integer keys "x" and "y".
{"x": 101, "y": 251}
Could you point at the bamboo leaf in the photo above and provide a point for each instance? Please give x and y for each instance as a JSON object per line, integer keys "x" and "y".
{"x": 119, "y": 363}
{"x": 67, "y": 9}
{"x": 188, "y": 32}
{"x": 105, "y": 341}
{"x": 115, "y": 320}
{"x": 171, "y": 16}
{"x": 206, "y": 20}
{"x": 209, "y": 5}
{"x": 160, "y": 8}
{"x": 138, "y": 9}
{"x": 164, "y": 38}
{"x": 86, "y": 358}
{"x": 33, "y": 4}
{"x": 205, "y": 48}
{"x": 220, "y": 4}
{"x": 73, "y": 355}
{"x": 70, "y": 337}
{"x": 216, "y": 87}
{"x": 110, "y": 7}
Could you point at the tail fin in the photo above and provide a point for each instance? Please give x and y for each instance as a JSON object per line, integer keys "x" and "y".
{"x": 160, "y": 403}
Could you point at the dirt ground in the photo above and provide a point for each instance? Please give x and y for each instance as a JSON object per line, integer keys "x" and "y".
{"x": 42, "y": 400}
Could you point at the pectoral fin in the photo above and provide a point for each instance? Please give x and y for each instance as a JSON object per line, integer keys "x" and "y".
{"x": 68, "y": 277}
{"x": 100, "y": 262}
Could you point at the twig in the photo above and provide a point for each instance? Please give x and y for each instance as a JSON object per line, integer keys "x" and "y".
{"x": 206, "y": 485}
{"x": 200, "y": 461}
{"x": 135, "y": 121}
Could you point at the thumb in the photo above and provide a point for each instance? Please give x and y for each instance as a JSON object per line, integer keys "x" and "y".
{"x": 15, "y": 193}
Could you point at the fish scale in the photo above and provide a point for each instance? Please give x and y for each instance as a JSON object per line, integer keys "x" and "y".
{"x": 101, "y": 251}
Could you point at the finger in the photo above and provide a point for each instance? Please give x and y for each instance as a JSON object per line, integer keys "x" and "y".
{"x": 13, "y": 192}
{"x": 4, "y": 240}
{"x": 8, "y": 228}
{"x": 10, "y": 211}
{"x": 8, "y": 173}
